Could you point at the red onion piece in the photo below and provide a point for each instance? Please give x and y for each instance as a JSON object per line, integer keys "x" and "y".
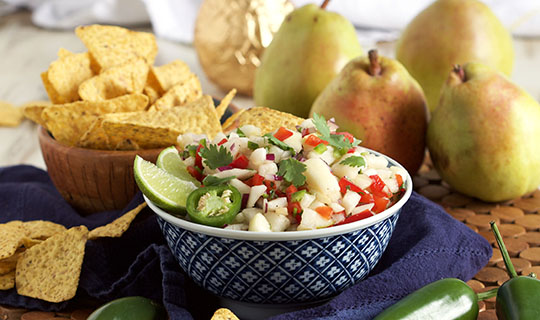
{"x": 225, "y": 168}
{"x": 245, "y": 198}
{"x": 232, "y": 146}
{"x": 277, "y": 178}
{"x": 271, "y": 157}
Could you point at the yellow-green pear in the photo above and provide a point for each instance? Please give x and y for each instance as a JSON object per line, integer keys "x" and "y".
{"x": 484, "y": 136}
{"x": 376, "y": 100}
{"x": 310, "y": 48}
{"x": 450, "y": 32}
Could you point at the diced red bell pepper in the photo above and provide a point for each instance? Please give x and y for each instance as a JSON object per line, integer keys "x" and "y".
{"x": 351, "y": 150}
{"x": 282, "y": 134}
{"x": 314, "y": 141}
{"x": 367, "y": 198}
{"x": 325, "y": 211}
{"x": 289, "y": 191}
{"x": 377, "y": 186}
{"x": 198, "y": 158}
{"x": 399, "y": 180}
{"x": 258, "y": 179}
{"x": 356, "y": 217}
{"x": 291, "y": 208}
{"x": 195, "y": 173}
{"x": 380, "y": 204}
{"x": 346, "y": 135}
{"x": 241, "y": 162}
{"x": 224, "y": 140}
{"x": 345, "y": 185}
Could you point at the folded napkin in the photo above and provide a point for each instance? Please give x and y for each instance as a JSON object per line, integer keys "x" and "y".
{"x": 427, "y": 245}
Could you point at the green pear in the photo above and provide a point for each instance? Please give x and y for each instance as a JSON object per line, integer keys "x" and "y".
{"x": 484, "y": 136}
{"x": 310, "y": 48}
{"x": 377, "y": 100}
{"x": 450, "y": 32}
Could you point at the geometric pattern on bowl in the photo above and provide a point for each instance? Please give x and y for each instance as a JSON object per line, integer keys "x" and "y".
{"x": 279, "y": 272}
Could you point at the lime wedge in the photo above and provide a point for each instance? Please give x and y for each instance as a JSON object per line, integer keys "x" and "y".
{"x": 169, "y": 160}
{"x": 165, "y": 190}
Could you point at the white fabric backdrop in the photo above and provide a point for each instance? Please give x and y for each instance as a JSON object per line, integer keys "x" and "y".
{"x": 174, "y": 19}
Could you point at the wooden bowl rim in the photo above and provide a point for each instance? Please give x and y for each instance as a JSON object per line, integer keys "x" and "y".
{"x": 47, "y": 139}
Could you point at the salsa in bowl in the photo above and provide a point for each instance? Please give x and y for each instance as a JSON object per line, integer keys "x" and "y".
{"x": 292, "y": 265}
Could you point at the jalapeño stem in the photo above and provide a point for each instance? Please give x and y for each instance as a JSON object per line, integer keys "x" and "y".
{"x": 506, "y": 257}
{"x": 486, "y": 295}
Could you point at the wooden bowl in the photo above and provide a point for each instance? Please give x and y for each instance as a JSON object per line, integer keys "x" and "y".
{"x": 92, "y": 180}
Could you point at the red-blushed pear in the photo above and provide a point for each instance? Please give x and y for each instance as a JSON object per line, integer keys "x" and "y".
{"x": 484, "y": 136}
{"x": 452, "y": 32}
{"x": 376, "y": 100}
{"x": 310, "y": 48}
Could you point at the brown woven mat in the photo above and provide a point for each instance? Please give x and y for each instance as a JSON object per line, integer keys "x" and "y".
{"x": 518, "y": 221}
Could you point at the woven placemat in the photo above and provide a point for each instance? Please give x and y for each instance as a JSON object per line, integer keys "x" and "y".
{"x": 518, "y": 220}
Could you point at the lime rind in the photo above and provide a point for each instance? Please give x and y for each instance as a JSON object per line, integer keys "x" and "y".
{"x": 165, "y": 190}
{"x": 170, "y": 161}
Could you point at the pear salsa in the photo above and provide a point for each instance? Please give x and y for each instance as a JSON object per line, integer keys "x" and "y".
{"x": 304, "y": 179}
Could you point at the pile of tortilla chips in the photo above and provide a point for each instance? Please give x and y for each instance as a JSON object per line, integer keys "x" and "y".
{"x": 43, "y": 259}
{"x": 113, "y": 98}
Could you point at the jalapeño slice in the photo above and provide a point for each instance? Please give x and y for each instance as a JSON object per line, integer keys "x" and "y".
{"x": 214, "y": 205}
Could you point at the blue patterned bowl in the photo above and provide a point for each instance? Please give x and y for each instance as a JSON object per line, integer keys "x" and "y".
{"x": 282, "y": 267}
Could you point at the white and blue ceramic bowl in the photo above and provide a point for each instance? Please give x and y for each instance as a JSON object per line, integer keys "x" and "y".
{"x": 282, "y": 267}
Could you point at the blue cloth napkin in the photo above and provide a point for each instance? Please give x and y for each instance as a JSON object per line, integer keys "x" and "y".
{"x": 427, "y": 245}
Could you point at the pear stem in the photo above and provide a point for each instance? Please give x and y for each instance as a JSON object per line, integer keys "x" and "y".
{"x": 459, "y": 71}
{"x": 374, "y": 66}
{"x": 506, "y": 257}
{"x": 324, "y": 4}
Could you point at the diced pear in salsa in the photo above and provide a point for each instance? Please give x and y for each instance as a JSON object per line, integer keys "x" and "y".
{"x": 311, "y": 219}
{"x": 320, "y": 179}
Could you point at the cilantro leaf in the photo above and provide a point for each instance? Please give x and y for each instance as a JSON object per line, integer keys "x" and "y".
{"x": 215, "y": 181}
{"x": 354, "y": 161}
{"x": 280, "y": 144}
{"x": 214, "y": 157}
{"x": 335, "y": 140}
{"x": 291, "y": 170}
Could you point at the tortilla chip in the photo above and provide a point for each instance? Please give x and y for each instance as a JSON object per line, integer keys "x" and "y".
{"x": 111, "y": 46}
{"x": 50, "y": 270}
{"x": 164, "y": 77}
{"x": 40, "y": 229}
{"x": 65, "y": 75}
{"x": 62, "y": 53}
{"x": 32, "y": 111}
{"x": 51, "y": 92}
{"x": 7, "y": 281}
{"x": 10, "y": 116}
{"x": 224, "y": 314}
{"x": 117, "y": 81}
{"x": 12, "y": 235}
{"x": 29, "y": 243}
{"x": 151, "y": 93}
{"x": 117, "y": 227}
{"x": 224, "y": 104}
{"x": 8, "y": 264}
{"x": 179, "y": 94}
{"x": 69, "y": 122}
{"x": 156, "y": 129}
{"x": 268, "y": 120}
{"x": 95, "y": 137}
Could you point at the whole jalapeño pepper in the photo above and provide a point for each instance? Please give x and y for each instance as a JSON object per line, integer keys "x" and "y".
{"x": 448, "y": 298}
{"x": 519, "y": 297}
{"x": 214, "y": 205}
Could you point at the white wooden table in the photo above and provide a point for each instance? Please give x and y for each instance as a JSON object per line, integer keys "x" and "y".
{"x": 26, "y": 51}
